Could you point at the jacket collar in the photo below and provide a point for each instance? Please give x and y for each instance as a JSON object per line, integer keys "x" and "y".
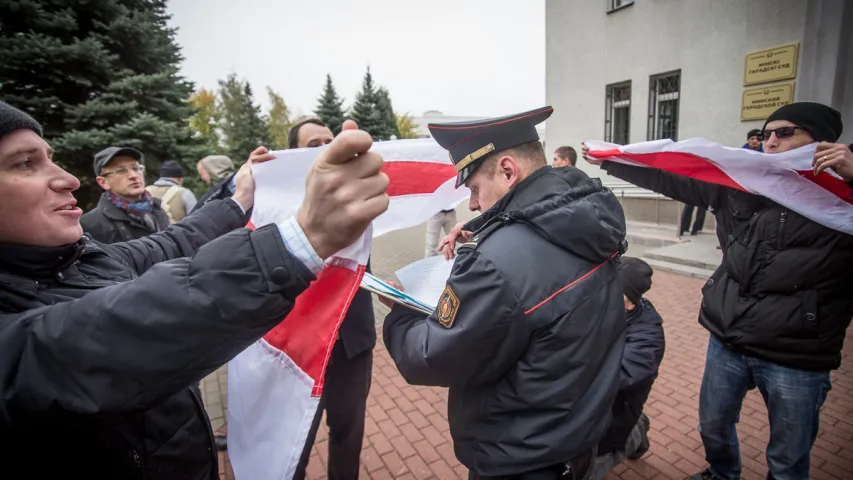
{"x": 38, "y": 262}
{"x": 519, "y": 197}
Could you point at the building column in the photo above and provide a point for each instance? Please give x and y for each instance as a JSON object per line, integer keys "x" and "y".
{"x": 826, "y": 58}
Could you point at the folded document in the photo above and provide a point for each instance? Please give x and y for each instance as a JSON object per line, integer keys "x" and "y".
{"x": 424, "y": 281}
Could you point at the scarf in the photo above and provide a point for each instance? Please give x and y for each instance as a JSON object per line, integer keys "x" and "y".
{"x": 140, "y": 210}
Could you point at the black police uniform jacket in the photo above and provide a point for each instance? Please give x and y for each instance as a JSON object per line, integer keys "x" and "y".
{"x": 529, "y": 332}
{"x": 783, "y": 290}
{"x": 641, "y": 358}
{"x": 101, "y": 346}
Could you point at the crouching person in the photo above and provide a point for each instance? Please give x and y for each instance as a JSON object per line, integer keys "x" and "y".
{"x": 627, "y": 436}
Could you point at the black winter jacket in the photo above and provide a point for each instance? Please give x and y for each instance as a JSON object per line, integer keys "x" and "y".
{"x": 529, "y": 333}
{"x": 644, "y": 347}
{"x": 100, "y": 344}
{"x": 107, "y": 223}
{"x": 783, "y": 290}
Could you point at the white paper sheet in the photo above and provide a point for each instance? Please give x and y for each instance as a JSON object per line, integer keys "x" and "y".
{"x": 426, "y": 279}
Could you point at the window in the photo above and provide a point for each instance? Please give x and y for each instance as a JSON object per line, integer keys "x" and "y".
{"x": 617, "y": 113}
{"x": 664, "y": 92}
{"x": 613, "y": 5}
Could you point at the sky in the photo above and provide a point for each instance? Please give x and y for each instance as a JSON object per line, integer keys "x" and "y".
{"x": 461, "y": 57}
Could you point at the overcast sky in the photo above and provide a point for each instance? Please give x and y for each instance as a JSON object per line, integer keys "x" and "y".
{"x": 462, "y": 57}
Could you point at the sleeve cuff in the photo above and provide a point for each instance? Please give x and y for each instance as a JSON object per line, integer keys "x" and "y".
{"x": 242, "y": 209}
{"x": 299, "y": 246}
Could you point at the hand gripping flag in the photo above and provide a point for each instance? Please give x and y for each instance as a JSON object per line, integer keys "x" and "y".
{"x": 274, "y": 386}
{"x": 786, "y": 178}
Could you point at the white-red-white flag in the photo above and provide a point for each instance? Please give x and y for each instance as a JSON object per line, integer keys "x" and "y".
{"x": 274, "y": 386}
{"x": 786, "y": 178}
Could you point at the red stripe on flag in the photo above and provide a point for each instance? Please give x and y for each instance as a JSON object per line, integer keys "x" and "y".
{"x": 308, "y": 333}
{"x": 414, "y": 178}
{"x": 678, "y": 163}
{"x": 831, "y": 184}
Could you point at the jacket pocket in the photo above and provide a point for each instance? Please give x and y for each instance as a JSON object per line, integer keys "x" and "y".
{"x": 810, "y": 318}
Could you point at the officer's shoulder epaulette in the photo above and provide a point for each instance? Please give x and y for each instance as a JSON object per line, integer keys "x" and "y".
{"x": 480, "y": 235}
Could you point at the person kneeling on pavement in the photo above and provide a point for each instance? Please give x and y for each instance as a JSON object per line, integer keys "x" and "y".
{"x": 627, "y": 437}
{"x": 101, "y": 345}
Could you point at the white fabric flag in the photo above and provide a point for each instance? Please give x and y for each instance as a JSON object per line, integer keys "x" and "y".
{"x": 274, "y": 386}
{"x": 786, "y": 178}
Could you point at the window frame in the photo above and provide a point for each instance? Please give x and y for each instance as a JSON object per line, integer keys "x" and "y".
{"x": 613, "y": 7}
{"x": 652, "y": 132}
{"x": 609, "y": 110}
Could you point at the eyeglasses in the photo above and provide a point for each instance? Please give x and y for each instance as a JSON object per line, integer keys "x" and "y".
{"x": 781, "y": 132}
{"x": 125, "y": 170}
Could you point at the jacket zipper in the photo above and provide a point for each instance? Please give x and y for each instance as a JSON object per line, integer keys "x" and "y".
{"x": 211, "y": 444}
{"x": 783, "y": 218}
{"x": 137, "y": 463}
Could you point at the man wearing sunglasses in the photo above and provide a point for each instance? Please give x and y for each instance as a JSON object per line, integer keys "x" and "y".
{"x": 126, "y": 211}
{"x": 777, "y": 307}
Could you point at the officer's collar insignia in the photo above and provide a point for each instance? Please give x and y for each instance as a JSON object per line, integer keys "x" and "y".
{"x": 448, "y": 305}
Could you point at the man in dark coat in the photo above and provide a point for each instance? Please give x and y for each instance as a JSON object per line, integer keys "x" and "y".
{"x": 126, "y": 211}
{"x": 627, "y": 436}
{"x": 528, "y": 333}
{"x": 777, "y": 307}
{"x": 101, "y": 345}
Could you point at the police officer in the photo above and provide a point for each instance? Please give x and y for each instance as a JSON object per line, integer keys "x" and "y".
{"x": 528, "y": 334}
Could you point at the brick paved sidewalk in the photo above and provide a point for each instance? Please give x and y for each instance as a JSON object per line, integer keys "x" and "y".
{"x": 407, "y": 435}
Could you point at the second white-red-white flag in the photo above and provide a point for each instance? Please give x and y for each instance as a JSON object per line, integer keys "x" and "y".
{"x": 786, "y": 178}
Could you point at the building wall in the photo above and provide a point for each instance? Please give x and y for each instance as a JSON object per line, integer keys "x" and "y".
{"x": 587, "y": 49}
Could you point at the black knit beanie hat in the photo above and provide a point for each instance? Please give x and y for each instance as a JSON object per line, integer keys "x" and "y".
{"x": 636, "y": 276}
{"x": 822, "y": 122}
{"x": 12, "y": 119}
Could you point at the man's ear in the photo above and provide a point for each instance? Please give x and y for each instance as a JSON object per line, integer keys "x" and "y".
{"x": 509, "y": 168}
{"x": 103, "y": 183}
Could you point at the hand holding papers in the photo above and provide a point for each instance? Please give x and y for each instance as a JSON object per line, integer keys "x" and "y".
{"x": 423, "y": 282}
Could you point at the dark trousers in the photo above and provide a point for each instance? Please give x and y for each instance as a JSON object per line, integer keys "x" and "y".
{"x": 687, "y": 215}
{"x": 793, "y": 398}
{"x": 344, "y": 400}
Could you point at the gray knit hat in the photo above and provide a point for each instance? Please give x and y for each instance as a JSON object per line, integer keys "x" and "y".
{"x": 12, "y": 119}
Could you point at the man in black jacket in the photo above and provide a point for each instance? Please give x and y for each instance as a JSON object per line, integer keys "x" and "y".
{"x": 100, "y": 345}
{"x": 627, "y": 436}
{"x": 348, "y": 376}
{"x": 777, "y": 306}
{"x": 126, "y": 211}
{"x": 528, "y": 333}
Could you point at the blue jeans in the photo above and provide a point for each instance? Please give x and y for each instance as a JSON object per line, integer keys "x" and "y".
{"x": 793, "y": 398}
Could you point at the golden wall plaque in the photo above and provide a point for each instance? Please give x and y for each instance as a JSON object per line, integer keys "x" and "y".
{"x": 773, "y": 64}
{"x": 759, "y": 103}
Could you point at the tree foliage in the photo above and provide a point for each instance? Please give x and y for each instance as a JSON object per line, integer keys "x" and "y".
{"x": 205, "y": 120}
{"x": 330, "y": 107}
{"x": 97, "y": 74}
{"x": 279, "y": 121}
{"x": 243, "y": 127}
{"x": 406, "y": 127}
{"x": 365, "y": 110}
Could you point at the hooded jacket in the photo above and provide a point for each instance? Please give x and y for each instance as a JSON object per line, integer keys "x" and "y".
{"x": 528, "y": 334}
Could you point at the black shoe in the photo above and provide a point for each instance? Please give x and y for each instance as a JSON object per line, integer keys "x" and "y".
{"x": 643, "y": 447}
{"x": 706, "y": 474}
{"x": 693, "y": 234}
{"x": 221, "y": 442}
